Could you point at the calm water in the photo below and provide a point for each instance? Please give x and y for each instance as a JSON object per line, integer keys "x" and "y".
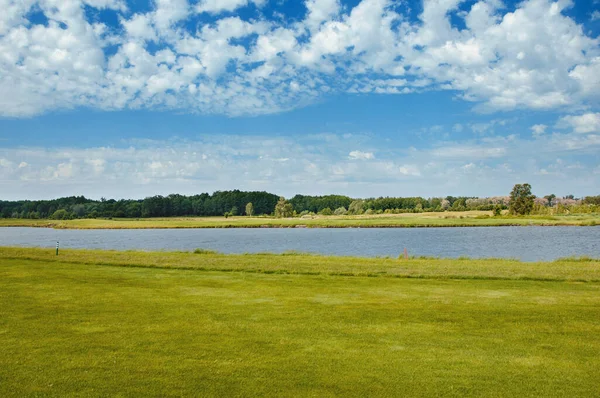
{"x": 526, "y": 243}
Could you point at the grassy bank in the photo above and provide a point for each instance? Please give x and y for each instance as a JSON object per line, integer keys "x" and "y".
{"x": 92, "y": 323}
{"x": 583, "y": 270}
{"x": 446, "y": 219}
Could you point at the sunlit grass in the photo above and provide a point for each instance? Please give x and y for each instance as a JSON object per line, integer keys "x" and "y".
{"x": 105, "y": 323}
{"x": 569, "y": 269}
{"x": 446, "y": 219}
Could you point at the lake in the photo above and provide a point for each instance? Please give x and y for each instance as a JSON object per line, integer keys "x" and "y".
{"x": 525, "y": 243}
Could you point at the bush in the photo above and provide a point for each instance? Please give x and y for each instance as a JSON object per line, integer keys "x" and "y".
{"x": 340, "y": 211}
{"x": 356, "y": 207}
{"x": 497, "y": 210}
{"x": 60, "y": 214}
{"x": 326, "y": 212}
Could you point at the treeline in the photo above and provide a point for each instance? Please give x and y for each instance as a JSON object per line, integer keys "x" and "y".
{"x": 331, "y": 203}
{"x": 217, "y": 204}
{"x": 231, "y": 203}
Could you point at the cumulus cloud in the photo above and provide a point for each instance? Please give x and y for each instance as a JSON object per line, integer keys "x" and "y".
{"x": 582, "y": 124}
{"x": 538, "y": 129}
{"x": 534, "y": 56}
{"x": 217, "y": 6}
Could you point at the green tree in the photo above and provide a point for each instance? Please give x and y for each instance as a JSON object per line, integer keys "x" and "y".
{"x": 497, "y": 210}
{"x": 326, "y": 212}
{"x": 340, "y": 211}
{"x": 60, "y": 214}
{"x": 283, "y": 209}
{"x": 356, "y": 207}
{"x": 521, "y": 199}
{"x": 550, "y": 198}
{"x": 78, "y": 210}
{"x": 249, "y": 209}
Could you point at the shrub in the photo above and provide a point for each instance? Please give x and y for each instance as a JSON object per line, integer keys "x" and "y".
{"x": 497, "y": 210}
{"x": 60, "y": 214}
{"x": 326, "y": 212}
{"x": 340, "y": 211}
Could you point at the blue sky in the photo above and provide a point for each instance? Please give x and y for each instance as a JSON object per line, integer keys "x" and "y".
{"x": 122, "y": 98}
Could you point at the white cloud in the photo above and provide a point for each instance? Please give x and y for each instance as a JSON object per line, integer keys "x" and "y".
{"x": 595, "y": 15}
{"x": 320, "y": 11}
{"x": 361, "y": 155}
{"x": 468, "y": 151}
{"x": 582, "y": 124}
{"x": 533, "y": 57}
{"x": 315, "y": 164}
{"x": 538, "y": 129}
{"x": 169, "y": 12}
{"x": 217, "y": 6}
{"x": 140, "y": 26}
{"x": 409, "y": 170}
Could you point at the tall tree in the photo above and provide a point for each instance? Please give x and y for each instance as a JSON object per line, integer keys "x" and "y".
{"x": 521, "y": 199}
{"x": 283, "y": 209}
{"x": 249, "y": 209}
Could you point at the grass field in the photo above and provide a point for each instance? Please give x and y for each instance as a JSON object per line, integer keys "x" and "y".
{"x": 104, "y": 323}
{"x": 446, "y": 219}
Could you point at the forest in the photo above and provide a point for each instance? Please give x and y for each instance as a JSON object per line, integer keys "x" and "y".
{"x": 232, "y": 203}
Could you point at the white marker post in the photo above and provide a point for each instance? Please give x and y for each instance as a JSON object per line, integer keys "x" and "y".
{"x": 57, "y": 248}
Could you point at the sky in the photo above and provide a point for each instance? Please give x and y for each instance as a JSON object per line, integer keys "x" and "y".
{"x": 367, "y": 98}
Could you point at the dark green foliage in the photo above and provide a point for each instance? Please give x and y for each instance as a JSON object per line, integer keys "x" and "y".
{"x": 521, "y": 199}
{"x": 356, "y": 207}
{"x": 388, "y": 203}
{"x": 235, "y": 203}
{"x": 326, "y": 212}
{"x": 592, "y": 200}
{"x": 61, "y": 214}
{"x": 497, "y": 210}
{"x": 219, "y": 203}
{"x": 316, "y": 204}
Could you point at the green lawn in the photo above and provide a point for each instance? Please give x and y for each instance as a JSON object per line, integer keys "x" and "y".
{"x": 447, "y": 219}
{"x": 163, "y": 324}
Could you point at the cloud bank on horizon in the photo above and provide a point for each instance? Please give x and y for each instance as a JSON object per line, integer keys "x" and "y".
{"x": 229, "y": 57}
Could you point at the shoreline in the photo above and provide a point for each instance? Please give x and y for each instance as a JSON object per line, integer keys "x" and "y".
{"x": 569, "y": 269}
{"x": 301, "y": 227}
{"x": 420, "y": 220}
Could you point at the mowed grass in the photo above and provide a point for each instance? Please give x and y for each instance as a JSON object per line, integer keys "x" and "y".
{"x": 568, "y": 269}
{"x": 162, "y": 324}
{"x": 446, "y": 219}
